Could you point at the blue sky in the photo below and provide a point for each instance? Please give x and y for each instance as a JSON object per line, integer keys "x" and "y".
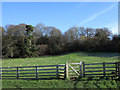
{"x": 62, "y": 15}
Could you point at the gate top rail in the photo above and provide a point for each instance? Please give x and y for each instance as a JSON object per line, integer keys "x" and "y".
{"x": 74, "y": 63}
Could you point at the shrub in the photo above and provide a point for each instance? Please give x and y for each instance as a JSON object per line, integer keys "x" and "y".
{"x": 42, "y": 49}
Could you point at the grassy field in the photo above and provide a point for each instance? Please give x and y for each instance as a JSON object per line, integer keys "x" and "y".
{"x": 76, "y": 57}
{"x": 62, "y": 59}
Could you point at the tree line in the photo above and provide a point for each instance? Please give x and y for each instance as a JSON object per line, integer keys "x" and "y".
{"x": 24, "y": 40}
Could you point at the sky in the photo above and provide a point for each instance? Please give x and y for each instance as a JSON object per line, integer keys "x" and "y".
{"x": 62, "y": 15}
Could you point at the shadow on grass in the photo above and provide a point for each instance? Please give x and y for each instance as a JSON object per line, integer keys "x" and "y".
{"x": 100, "y": 54}
{"x": 34, "y": 79}
{"x": 72, "y": 79}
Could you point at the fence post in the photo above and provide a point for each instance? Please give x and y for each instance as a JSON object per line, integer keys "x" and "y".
{"x": 83, "y": 69}
{"x": 119, "y": 69}
{"x": 17, "y": 73}
{"x": 36, "y": 72}
{"x": 104, "y": 69}
{"x": 67, "y": 70}
{"x": 116, "y": 66}
{"x": 0, "y": 72}
{"x": 57, "y": 72}
{"x": 80, "y": 69}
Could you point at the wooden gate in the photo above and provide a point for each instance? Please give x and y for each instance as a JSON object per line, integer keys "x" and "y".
{"x": 73, "y": 70}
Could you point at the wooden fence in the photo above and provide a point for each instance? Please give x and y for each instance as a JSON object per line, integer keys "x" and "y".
{"x": 35, "y": 72}
{"x": 81, "y": 69}
{"x": 93, "y": 69}
{"x": 101, "y": 69}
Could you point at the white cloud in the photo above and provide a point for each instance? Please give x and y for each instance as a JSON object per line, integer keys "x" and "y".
{"x": 97, "y": 14}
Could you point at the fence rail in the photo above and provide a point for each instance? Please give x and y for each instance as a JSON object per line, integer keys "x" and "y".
{"x": 102, "y": 69}
{"x": 46, "y": 71}
{"x": 61, "y": 71}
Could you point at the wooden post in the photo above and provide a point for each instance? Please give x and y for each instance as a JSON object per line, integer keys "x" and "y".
{"x": 116, "y": 66}
{"x": 36, "y": 72}
{"x": 17, "y": 73}
{"x": 0, "y": 72}
{"x": 67, "y": 70}
{"x": 119, "y": 69}
{"x": 80, "y": 69}
{"x": 57, "y": 72}
{"x": 104, "y": 69}
{"x": 83, "y": 69}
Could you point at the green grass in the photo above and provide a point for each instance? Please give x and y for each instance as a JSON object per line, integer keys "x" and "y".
{"x": 76, "y": 57}
{"x": 62, "y": 59}
{"x": 99, "y": 83}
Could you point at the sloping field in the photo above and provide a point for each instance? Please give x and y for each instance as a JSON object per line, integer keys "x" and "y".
{"x": 62, "y": 59}
{"x": 95, "y": 82}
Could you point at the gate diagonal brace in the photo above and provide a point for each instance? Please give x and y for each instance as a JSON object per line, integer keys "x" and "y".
{"x": 76, "y": 67}
{"x": 74, "y": 70}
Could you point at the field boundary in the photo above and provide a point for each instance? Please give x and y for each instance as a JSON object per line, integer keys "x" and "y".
{"x": 105, "y": 69}
{"x": 34, "y": 72}
{"x": 82, "y": 69}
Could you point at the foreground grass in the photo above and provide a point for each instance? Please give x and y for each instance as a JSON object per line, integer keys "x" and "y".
{"x": 99, "y": 83}
{"x": 62, "y": 59}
